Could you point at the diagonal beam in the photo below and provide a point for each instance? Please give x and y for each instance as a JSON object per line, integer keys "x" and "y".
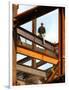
{"x": 40, "y": 63}
{"x": 19, "y": 73}
{"x": 36, "y": 55}
{"x": 52, "y": 75}
{"x": 59, "y": 79}
{"x": 26, "y": 59}
{"x": 32, "y": 14}
{"x": 30, "y": 70}
{"x": 23, "y": 60}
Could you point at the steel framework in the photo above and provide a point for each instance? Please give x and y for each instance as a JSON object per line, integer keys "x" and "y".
{"x": 30, "y": 74}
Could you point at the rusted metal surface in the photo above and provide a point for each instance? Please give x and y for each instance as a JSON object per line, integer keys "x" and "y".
{"x": 30, "y": 70}
{"x": 44, "y": 56}
{"x": 32, "y": 14}
{"x": 33, "y": 44}
{"x": 26, "y": 59}
{"x": 63, "y": 41}
{"x": 14, "y": 13}
{"x": 61, "y": 24}
{"x": 52, "y": 75}
{"x": 39, "y": 50}
{"x": 28, "y": 35}
{"x": 60, "y": 79}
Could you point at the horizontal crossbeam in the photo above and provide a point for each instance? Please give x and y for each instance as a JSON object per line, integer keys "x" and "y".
{"x": 32, "y": 37}
{"x": 38, "y": 49}
{"x": 30, "y": 70}
{"x": 36, "y": 55}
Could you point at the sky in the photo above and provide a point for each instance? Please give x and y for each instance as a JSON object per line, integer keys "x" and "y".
{"x": 50, "y": 21}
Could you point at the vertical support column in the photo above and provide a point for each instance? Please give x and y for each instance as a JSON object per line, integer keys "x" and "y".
{"x": 33, "y": 45}
{"x": 61, "y": 40}
{"x": 14, "y": 64}
{"x": 14, "y": 12}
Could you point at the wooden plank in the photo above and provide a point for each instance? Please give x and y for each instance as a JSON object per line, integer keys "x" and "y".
{"x": 30, "y": 70}
{"x": 32, "y": 37}
{"x": 36, "y": 55}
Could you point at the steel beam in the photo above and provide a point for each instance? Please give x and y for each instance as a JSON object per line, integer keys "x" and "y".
{"x": 30, "y": 70}
{"x": 23, "y": 60}
{"x": 29, "y": 58}
{"x": 36, "y": 55}
{"x": 63, "y": 41}
{"x": 33, "y": 13}
{"x": 26, "y": 60}
{"x": 43, "y": 51}
{"x": 32, "y": 37}
{"x": 33, "y": 44}
{"x": 53, "y": 74}
{"x": 14, "y": 13}
{"x": 40, "y": 63}
{"x": 60, "y": 79}
{"x": 61, "y": 24}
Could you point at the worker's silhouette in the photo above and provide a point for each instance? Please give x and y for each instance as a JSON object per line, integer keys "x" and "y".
{"x": 42, "y": 31}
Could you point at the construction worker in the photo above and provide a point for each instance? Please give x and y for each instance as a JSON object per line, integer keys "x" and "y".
{"x": 42, "y": 31}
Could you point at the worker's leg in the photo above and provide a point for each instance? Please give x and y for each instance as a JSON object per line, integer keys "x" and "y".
{"x": 43, "y": 38}
{"x": 43, "y": 41}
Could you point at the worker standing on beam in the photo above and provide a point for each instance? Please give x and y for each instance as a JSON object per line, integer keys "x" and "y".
{"x": 42, "y": 31}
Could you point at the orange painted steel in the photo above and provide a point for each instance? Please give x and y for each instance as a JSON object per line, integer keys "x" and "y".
{"x": 36, "y": 55}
